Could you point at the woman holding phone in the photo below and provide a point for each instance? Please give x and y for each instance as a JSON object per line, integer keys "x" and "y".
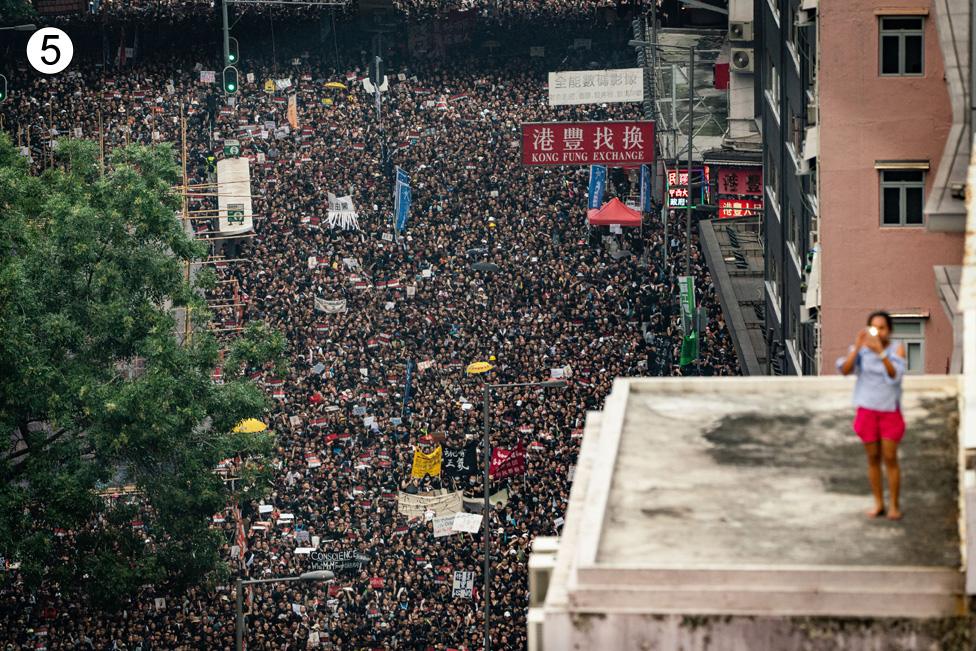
{"x": 879, "y": 364}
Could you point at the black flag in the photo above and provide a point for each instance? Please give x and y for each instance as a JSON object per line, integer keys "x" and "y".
{"x": 460, "y": 463}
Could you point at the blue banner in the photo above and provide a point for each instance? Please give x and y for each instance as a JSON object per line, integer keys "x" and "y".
{"x": 402, "y": 176}
{"x": 598, "y": 183}
{"x": 645, "y": 188}
{"x": 402, "y": 206}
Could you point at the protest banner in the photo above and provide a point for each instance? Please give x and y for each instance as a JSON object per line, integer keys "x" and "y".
{"x": 336, "y": 559}
{"x": 414, "y": 506}
{"x": 461, "y": 463}
{"x": 234, "y": 206}
{"x": 463, "y": 584}
{"x": 507, "y": 463}
{"x": 467, "y": 522}
{"x": 476, "y": 504}
{"x": 571, "y": 87}
{"x": 330, "y": 307}
{"x": 426, "y": 464}
{"x": 293, "y": 110}
{"x": 342, "y": 213}
{"x": 444, "y": 525}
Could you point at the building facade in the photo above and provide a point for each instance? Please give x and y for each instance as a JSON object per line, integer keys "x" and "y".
{"x": 864, "y": 126}
{"x": 786, "y": 112}
{"x": 885, "y": 118}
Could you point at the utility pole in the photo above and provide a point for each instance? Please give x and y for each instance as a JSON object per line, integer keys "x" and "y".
{"x": 691, "y": 140}
{"x": 226, "y": 28}
{"x": 486, "y": 394}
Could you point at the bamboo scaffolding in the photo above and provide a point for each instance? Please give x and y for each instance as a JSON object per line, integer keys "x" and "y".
{"x": 186, "y": 207}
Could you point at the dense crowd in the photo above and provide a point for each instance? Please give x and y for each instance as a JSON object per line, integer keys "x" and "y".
{"x": 566, "y": 295}
{"x": 494, "y": 10}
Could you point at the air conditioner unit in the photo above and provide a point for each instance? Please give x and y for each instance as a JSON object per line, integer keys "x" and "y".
{"x": 740, "y": 30}
{"x": 811, "y": 114}
{"x": 742, "y": 60}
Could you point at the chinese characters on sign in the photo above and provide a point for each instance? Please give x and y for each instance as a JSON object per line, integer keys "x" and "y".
{"x": 678, "y": 187}
{"x": 728, "y": 208}
{"x": 463, "y": 584}
{"x": 596, "y": 86}
{"x": 740, "y": 182}
{"x": 587, "y": 143}
{"x": 735, "y": 187}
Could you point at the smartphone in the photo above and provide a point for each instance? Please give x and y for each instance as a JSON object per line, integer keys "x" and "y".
{"x": 873, "y": 331}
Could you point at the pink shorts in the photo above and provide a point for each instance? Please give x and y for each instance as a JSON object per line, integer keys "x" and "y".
{"x": 871, "y": 425}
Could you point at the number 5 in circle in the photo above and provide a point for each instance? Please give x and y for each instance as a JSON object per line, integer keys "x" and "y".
{"x": 47, "y": 45}
{"x": 49, "y": 50}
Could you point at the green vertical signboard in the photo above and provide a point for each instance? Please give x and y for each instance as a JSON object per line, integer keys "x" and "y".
{"x": 689, "y": 326}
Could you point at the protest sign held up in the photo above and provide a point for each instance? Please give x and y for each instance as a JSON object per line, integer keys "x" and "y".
{"x": 426, "y": 463}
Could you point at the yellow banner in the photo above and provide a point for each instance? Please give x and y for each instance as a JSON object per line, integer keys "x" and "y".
{"x": 426, "y": 464}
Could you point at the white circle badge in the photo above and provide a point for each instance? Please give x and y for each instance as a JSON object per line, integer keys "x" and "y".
{"x": 49, "y": 50}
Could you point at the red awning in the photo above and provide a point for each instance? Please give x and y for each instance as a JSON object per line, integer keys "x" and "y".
{"x": 614, "y": 212}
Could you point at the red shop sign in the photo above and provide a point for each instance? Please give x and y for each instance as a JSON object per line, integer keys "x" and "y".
{"x": 740, "y": 181}
{"x": 729, "y": 208}
{"x": 587, "y": 143}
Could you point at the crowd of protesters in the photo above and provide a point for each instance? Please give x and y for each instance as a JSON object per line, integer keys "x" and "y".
{"x": 565, "y": 295}
{"x": 113, "y": 11}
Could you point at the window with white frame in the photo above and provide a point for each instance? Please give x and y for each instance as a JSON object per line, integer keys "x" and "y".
{"x": 771, "y": 79}
{"x": 772, "y": 178}
{"x": 902, "y": 46}
{"x": 911, "y": 333}
{"x": 902, "y": 197}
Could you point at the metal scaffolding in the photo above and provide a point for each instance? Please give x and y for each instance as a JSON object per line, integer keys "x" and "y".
{"x": 668, "y": 84}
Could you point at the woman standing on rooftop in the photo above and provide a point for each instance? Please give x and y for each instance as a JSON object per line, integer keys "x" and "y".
{"x": 879, "y": 364}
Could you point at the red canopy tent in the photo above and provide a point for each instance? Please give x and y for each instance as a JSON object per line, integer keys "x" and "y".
{"x": 614, "y": 212}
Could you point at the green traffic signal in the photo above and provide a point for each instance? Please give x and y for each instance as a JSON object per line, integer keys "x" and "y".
{"x": 3, "y": 88}
{"x": 230, "y": 80}
{"x": 233, "y": 51}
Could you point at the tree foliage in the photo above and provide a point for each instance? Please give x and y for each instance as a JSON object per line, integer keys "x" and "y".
{"x": 95, "y": 387}
{"x": 12, "y": 11}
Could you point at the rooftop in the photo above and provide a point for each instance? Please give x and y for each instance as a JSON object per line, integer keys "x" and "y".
{"x": 772, "y": 477}
{"x": 746, "y": 496}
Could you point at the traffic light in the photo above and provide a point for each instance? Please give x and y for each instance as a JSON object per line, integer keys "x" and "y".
{"x": 230, "y": 80}
{"x": 233, "y": 51}
{"x": 3, "y": 88}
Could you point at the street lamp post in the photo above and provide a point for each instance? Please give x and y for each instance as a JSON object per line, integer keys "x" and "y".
{"x": 317, "y": 575}
{"x": 486, "y": 396}
{"x": 691, "y": 135}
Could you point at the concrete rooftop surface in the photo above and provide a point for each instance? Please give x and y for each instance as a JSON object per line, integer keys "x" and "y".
{"x": 772, "y": 474}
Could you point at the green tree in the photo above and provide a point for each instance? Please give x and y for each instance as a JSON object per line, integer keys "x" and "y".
{"x": 14, "y": 10}
{"x": 95, "y": 387}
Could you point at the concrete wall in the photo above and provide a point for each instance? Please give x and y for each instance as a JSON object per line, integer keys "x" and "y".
{"x": 718, "y": 633}
{"x": 865, "y": 117}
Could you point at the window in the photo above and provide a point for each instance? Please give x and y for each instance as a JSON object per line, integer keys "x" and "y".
{"x": 771, "y": 175}
{"x": 901, "y": 197}
{"x": 902, "y": 49}
{"x": 772, "y": 85}
{"x": 911, "y": 333}
{"x": 774, "y": 281}
{"x": 793, "y": 231}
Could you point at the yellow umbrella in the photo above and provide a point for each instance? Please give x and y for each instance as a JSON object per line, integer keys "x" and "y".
{"x": 336, "y": 84}
{"x": 479, "y": 367}
{"x": 250, "y": 426}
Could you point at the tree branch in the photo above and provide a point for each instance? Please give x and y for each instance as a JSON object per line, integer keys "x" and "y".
{"x": 29, "y": 448}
